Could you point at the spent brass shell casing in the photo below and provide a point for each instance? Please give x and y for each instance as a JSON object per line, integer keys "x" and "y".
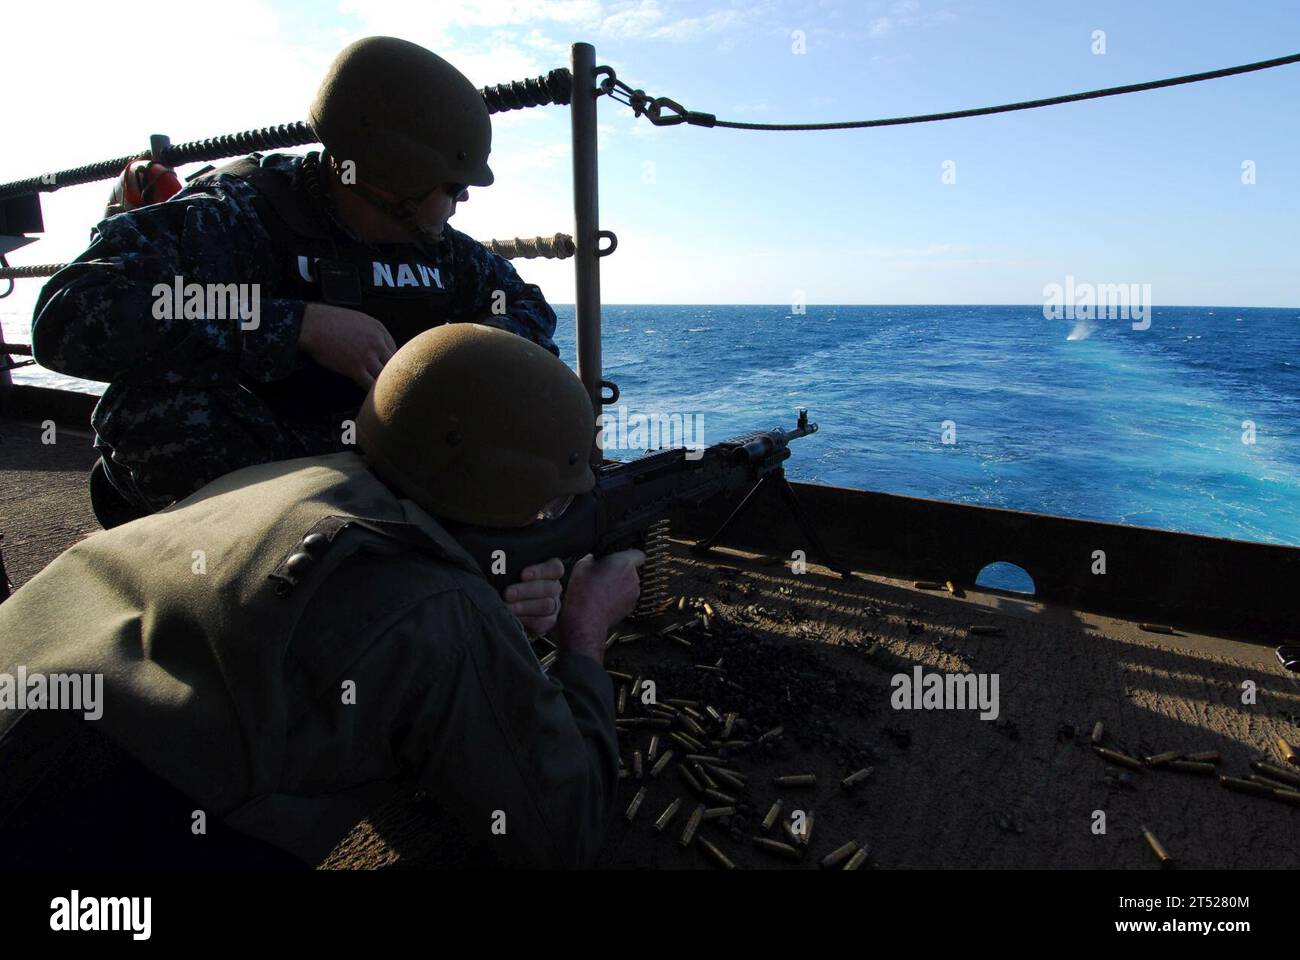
{"x": 1161, "y": 854}
{"x": 778, "y": 848}
{"x": 692, "y": 825}
{"x": 1123, "y": 759}
{"x": 727, "y": 724}
{"x": 1257, "y": 787}
{"x": 629, "y": 637}
{"x": 611, "y": 640}
{"x": 796, "y": 780}
{"x": 635, "y": 805}
{"x": 658, "y": 723}
{"x": 716, "y": 855}
{"x": 708, "y": 609}
{"x": 620, "y": 675}
{"x": 1205, "y": 756}
{"x": 715, "y": 813}
{"x": 853, "y": 779}
{"x": 690, "y": 743}
{"x": 771, "y": 734}
{"x": 839, "y": 855}
{"x": 681, "y": 704}
{"x": 662, "y": 762}
{"x": 669, "y": 812}
{"x": 1159, "y": 758}
{"x": 679, "y": 640}
{"x": 653, "y": 750}
{"x": 1290, "y": 777}
{"x": 637, "y": 770}
{"x": 712, "y": 712}
{"x": 806, "y": 836}
{"x": 634, "y": 691}
{"x": 689, "y": 777}
{"x": 1288, "y": 752}
{"x": 728, "y": 779}
{"x": 681, "y": 604}
{"x": 689, "y": 723}
{"x": 702, "y": 758}
{"x": 622, "y": 700}
{"x": 1289, "y": 796}
{"x": 773, "y": 812}
{"x": 1098, "y": 732}
{"x": 857, "y": 860}
{"x": 694, "y": 713}
{"x": 549, "y": 660}
{"x": 984, "y": 630}
{"x": 1157, "y": 628}
{"x": 702, "y": 775}
{"x": 1190, "y": 766}
{"x": 717, "y": 796}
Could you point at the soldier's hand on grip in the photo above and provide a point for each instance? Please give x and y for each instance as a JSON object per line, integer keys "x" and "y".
{"x": 601, "y": 593}
{"x": 535, "y": 599}
{"x": 348, "y": 342}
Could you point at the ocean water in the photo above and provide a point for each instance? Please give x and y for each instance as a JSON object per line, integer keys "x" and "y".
{"x": 1098, "y": 421}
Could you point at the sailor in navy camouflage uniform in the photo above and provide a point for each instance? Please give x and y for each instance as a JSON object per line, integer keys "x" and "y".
{"x": 192, "y": 399}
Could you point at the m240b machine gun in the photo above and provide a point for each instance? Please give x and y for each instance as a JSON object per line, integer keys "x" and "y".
{"x": 631, "y": 502}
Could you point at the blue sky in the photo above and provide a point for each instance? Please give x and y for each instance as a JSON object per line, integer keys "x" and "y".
{"x": 1138, "y": 189}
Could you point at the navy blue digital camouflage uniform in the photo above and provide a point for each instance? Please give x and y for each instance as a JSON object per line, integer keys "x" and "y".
{"x": 192, "y": 399}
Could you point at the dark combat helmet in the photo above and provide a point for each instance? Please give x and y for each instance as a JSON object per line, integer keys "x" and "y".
{"x": 479, "y": 426}
{"x": 407, "y": 118}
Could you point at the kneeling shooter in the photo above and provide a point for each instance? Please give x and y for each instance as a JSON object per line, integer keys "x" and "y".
{"x": 296, "y": 641}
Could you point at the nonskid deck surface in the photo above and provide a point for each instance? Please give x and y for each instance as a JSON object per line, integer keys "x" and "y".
{"x": 816, "y": 656}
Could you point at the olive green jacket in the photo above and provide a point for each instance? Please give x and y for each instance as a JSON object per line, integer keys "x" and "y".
{"x": 288, "y": 693}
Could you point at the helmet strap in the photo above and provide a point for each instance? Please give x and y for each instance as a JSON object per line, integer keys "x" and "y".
{"x": 402, "y": 211}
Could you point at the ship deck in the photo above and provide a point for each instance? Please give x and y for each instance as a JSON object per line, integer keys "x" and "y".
{"x": 815, "y": 654}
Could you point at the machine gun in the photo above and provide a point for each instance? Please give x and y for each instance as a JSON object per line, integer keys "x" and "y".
{"x": 631, "y": 502}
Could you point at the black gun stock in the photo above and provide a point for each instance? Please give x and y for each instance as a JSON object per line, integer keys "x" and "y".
{"x": 628, "y": 498}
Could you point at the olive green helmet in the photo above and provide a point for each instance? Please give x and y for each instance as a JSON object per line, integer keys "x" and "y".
{"x": 407, "y": 118}
{"x": 479, "y": 426}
